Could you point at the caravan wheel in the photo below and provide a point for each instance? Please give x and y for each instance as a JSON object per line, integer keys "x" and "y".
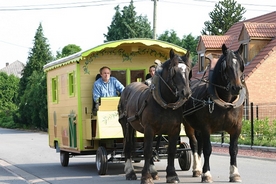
{"x": 101, "y": 160}
{"x": 64, "y": 158}
{"x": 185, "y": 157}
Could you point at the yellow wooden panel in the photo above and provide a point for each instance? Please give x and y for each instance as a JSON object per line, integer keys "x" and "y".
{"x": 108, "y": 125}
{"x": 88, "y": 130}
{"x": 109, "y": 104}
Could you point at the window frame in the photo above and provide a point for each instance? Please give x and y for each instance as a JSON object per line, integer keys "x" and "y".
{"x": 54, "y": 84}
{"x": 71, "y": 84}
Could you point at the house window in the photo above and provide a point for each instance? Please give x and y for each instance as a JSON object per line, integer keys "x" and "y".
{"x": 129, "y": 75}
{"x": 71, "y": 83}
{"x": 201, "y": 62}
{"x": 55, "y": 89}
{"x": 120, "y": 75}
{"x": 137, "y": 75}
{"x": 245, "y": 53}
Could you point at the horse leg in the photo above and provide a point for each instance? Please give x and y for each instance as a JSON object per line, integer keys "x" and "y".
{"x": 152, "y": 169}
{"x": 148, "y": 143}
{"x": 197, "y": 168}
{"x": 207, "y": 150}
{"x": 233, "y": 150}
{"x": 171, "y": 174}
{"x": 128, "y": 147}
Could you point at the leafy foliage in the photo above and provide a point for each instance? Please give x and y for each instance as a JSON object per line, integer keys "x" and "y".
{"x": 225, "y": 14}
{"x": 126, "y": 24}
{"x": 68, "y": 50}
{"x": 8, "y": 94}
{"x": 188, "y": 42}
{"x": 32, "y": 87}
{"x": 264, "y": 133}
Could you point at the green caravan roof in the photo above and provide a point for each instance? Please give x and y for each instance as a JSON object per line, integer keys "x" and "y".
{"x": 113, "y": 44}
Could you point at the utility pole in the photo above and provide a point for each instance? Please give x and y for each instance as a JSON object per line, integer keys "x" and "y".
{"x": 154, "y": 18}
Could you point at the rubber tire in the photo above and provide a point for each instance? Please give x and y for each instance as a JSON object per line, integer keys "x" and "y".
{"x": 64, "y": 158}
{"x": 101, "y": 160}
{"x": 185, "y": 158}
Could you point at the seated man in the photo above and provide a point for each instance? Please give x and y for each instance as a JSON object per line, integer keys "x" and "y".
{"x": 106, "y": 86}
{"x": 150, "y": 75}
{"x": 151, "y": 72}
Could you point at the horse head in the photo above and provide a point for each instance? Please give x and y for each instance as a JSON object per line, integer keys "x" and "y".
{"x": 232, "y": 67}
{"x": 227, "y": 86}
{"x": 171, "y": 81}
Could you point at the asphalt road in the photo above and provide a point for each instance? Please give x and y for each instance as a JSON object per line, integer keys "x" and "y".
{"x": 25, "y": 157}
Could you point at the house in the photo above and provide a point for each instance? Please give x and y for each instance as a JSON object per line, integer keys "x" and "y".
{"x": 257, "y": 35}
{"x": 14, "y": 68}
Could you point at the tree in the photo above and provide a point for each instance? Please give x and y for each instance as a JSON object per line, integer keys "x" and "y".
{"x": 171, "y": 37}
{"x": 68, "y": 50}
{"x": 188, "y": 42}
{"x": 39, "y": 55}
{"x": 8, "y": 94}
{"x": 225, "y": 14}
{"x": 126, "y": 24}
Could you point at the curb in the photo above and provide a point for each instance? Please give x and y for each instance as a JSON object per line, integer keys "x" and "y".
{"x": 248, "y": 147}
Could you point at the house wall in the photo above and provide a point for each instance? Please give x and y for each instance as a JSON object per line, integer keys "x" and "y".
{"x": 261, "y": 84}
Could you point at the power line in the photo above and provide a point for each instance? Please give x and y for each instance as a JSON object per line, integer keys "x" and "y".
{"x": 64, "y": 5}
{"x": 14, "y": 44}
{"x": 109, "y": 2}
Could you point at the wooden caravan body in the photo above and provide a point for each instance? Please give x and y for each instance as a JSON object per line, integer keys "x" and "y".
{"x": 71, "y": 126}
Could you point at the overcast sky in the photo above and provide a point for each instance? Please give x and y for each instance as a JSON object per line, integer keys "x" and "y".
{"x": 84, "y": 22}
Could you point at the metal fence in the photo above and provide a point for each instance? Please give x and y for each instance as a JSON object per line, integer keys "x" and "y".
{"x": 260, "y": 125}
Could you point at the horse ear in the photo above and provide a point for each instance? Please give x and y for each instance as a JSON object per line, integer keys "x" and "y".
{"x": 240, "y": 50}
{"x": 157, "y": 62}
{"x": 224, "y": 49}
{"x": 190, "y": 74}
{"x": 187, "y": 54}
{"x": 171, "y": 54}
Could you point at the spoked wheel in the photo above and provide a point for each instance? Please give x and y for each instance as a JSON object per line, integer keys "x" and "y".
{"x": 64, "y": 158}
{"x": 101, "y": 160}
{"x": 184, "y": 159}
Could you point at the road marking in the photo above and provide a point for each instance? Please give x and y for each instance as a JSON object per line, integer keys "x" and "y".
{"x": 21, "y": 174}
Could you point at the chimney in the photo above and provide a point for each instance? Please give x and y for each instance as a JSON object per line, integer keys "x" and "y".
{"x": 7, "y": 64}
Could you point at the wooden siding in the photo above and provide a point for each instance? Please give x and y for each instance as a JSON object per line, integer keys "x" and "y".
{"x": 81, "y": 102}
{"x": 63, "y": 107}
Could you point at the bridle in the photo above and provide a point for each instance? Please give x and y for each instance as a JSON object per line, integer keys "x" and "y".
{"x": 156, "y": 91}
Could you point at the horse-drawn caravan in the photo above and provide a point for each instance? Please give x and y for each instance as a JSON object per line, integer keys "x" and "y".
{"x": 72, "y": 127}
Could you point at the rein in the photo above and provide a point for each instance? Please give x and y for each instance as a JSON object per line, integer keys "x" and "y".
{"x": 174, "y": 93}
{"x": 214, "y": 96}
{"x": 155, "y": 89}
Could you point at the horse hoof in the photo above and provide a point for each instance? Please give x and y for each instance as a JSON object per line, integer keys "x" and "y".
{"x": 206, "y": 179}
{"x": 236, "y": 178}
{"x": 172, "y": 179}
{"x": 196, "y": 173}
{"x": 146, "y": 181}
{"x": 155, "y": 176}
{"x": 131, "y": 176}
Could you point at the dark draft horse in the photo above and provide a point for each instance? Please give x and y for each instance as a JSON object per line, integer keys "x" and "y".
{"x": 216, "y": 105}
{"x": 155, "y": 110}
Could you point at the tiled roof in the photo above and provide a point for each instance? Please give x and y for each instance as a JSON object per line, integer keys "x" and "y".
{"x": 211, "y": 41}
{"x": 261, "y": 26}
{"x": 261, "y": 30}
{"x": 235, "y": 30}
{"x": 14, "y": 68}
